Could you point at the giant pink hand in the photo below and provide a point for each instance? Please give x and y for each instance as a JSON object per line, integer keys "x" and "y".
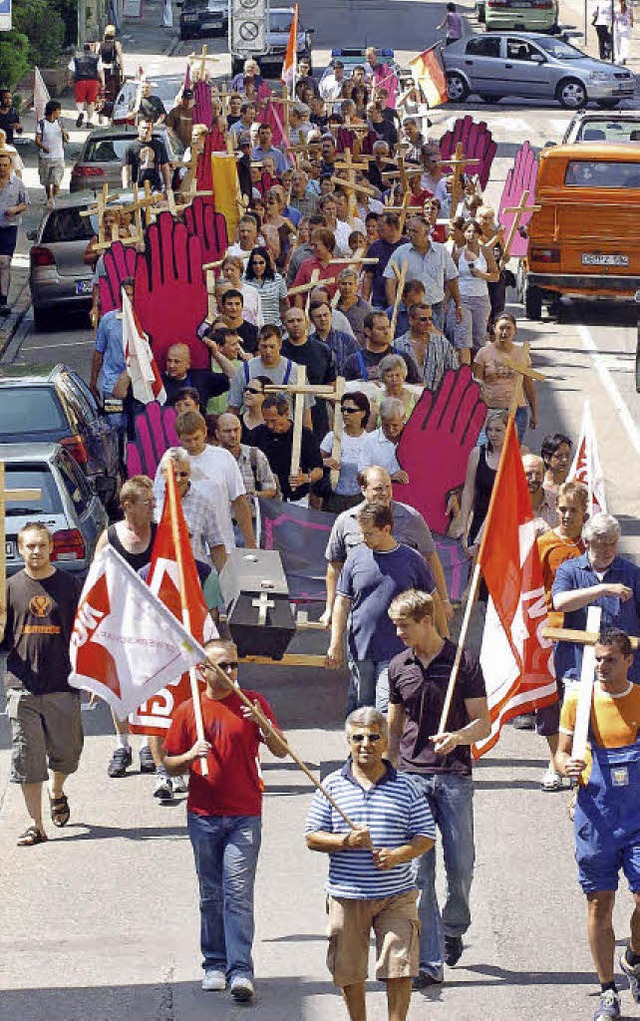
{"x": 203, "y": 222}
{"x": 477, "y": 143}
{"x": 436, "y": 442}
{"x": 119, "y": 263}
{"x": 171, "y": 296}
{"x": 521, "y": 177}
{"x": 155, "y": 433}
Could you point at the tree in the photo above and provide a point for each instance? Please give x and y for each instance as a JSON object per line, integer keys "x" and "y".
{"x": 14, "y": 57}
{"x": 43, "y": 27}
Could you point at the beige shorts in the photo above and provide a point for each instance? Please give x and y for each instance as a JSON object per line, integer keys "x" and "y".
{"x": 50, "y": 172}
{"x": 394, "y": 921}
{"x": 45, "y": 730}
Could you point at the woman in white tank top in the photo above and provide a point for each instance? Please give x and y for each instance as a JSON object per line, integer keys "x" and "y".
{"x": 477, "y": 268}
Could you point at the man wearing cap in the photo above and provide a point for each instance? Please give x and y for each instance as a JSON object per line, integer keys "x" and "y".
{"x": 180, "y": 119}
{"x": 331, "y": 86}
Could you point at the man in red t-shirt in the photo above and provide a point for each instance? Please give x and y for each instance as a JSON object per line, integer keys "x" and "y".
{"x": 224, "y": 815}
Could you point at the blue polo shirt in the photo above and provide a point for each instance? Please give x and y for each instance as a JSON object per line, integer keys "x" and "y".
{"x": 577, "y": 574}
{"x": 393, "y": 810}
{"x": 109, "y": 345}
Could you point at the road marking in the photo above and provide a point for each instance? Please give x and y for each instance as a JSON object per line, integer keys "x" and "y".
{"x": 47, "y": 347}
{"x": 610, "y": 386}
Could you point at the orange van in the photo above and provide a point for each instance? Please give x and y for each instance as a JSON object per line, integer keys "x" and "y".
{"x": 585, "y": 239}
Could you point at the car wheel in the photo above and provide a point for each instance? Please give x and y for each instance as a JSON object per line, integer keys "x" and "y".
{"x": 572, "y": 94}
{"x": 42, "y": 319}
{"x": 607, "y": 104}
{"x": 457, "y": 88}
{"x": 532, "y": 301}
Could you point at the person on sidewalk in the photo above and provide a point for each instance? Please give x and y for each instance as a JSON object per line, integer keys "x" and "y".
{"x": 14, "y": 201}
{"x": 9, "y": 116}
{"x": 46, "y": 725}
{"x": 440, "y": 765}
{"x": 51, "y": 138}
{"x": 607, "y": 816}
{"x": 224, "y": 811}
{"x": 88, "y": 78}
{"x": 371, "y": 882}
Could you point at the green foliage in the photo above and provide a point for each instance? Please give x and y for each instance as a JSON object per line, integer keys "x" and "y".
{"x": 14, "y": 57}
{"x": 68, "y": 11}
{"x": 43, "y": 27}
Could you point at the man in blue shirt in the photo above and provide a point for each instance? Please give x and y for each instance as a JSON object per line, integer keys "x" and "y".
{"x": 371, "y": 884}
{"x": 597, "y": 578}
{"x": 109, "y": 379}
{"x": 374, "y": 573}
{"x": 265, "y": 148}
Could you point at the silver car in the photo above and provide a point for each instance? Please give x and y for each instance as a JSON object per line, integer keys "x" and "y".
{"x": 595, "y": 126}
{"x": 68, "y": 505}
{"x": 101, "y": 156}
{"x": 534, "y": 66}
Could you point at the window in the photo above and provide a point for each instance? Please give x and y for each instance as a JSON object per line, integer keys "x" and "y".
{"x": 601, "y": 174}
{"x": 32, "y": 476}
{"x": 68, "y": 225}
{"x": 30, "y": 410}
{"x": 482, "y": 46}
{"x": 519, "y": 49}
{"x": 74, "y": 483}
{"x": 280, "y": 21}
{"x": 616, "y": 130}
{"x": 560, "y": 50}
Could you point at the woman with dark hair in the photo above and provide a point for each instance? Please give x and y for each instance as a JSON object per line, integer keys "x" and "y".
{"x": 360, "y": 97}
{"x": 252, "y": 401}
{"x": 477, "y": 268}
{"x": 482, "y": 468}
{"x": 270, "y": 285}
{"x": 498, "y": 377}
{"x": 355, "y": 408}
{"x": 556, "y": 454}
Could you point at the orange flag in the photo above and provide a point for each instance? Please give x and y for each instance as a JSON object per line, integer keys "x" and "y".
{"x": 290, "y": 65}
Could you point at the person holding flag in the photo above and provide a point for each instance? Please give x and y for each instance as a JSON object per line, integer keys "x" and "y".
{"x": 224, "y": 813}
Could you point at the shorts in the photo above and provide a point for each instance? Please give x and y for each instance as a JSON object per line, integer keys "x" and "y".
{"x": 50, "y": 172}
{"x": 44, "y": 728}
{"x": 8, "y": 240}
{"x": 548, "y": 716}
{"x": 397, "y": 930}
{"x": 86, "y": 91}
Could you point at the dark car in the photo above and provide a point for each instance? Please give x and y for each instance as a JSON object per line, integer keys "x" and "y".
{"x": 280, "y": 19}
{"x": 203, "y": 17}
{"x": 68, "y": 505}
{"x": 56, "y": 406}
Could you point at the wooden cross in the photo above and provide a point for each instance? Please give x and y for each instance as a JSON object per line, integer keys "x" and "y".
{"x": 101, "y": 204}
{"x": 519, "y": 212}
{"x": 458, "y": 162}
{"x": 333, "y": 393}
{"x": 11, "y": 495}
{"x": 263, "y": 603}
{"x": 223, "y": 95}
{"x": 307, "y": 288}
{"x": 358, "y": 260}
{"x": 204, "y": 57}
{"x": 350, "y": 184}
{"x": 149, "y": 202}
{"x": 401, "y": 275}
{"x": 521, "y": 372}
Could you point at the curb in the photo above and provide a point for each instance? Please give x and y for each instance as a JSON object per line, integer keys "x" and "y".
{"x": 22, "y": 304}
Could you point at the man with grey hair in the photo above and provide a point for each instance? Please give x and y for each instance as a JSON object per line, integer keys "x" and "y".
{"x": 597, "y": 578}
{"x": 381, "y": 445}
{"x": 350, "y": 303}
{"x": 371, "y": 883}
{"x": 200, "y": 514}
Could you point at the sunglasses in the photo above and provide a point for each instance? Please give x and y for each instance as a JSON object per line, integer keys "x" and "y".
{"x": 251, "y": 390}
{"x": 359, "y": 738}
{"x": 350, "y": 411}
{"x": 228, "y": 667}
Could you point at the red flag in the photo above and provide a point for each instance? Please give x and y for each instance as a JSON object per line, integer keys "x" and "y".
{"x": 515, "y": 657}
{"x": 586, "y": 467}
{"x": 290, "y": 65}
{"x": 172, "y": 554}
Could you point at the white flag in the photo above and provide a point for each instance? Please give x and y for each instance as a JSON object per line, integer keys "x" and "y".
{"x": 146, "y": 382}
{"x": 586, "y": 467}
{"x": 126, "y": 645}
{"x": 40, "y": 94}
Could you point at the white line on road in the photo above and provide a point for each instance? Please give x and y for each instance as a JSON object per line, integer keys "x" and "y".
{"x": 610, "y": 386}
{"x": 47, "y": 347}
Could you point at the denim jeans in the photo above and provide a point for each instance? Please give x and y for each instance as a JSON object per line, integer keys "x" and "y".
{"x": 368, "y": 684}
{"x": 450, "y": 799}
{"x": 226, "y": 850}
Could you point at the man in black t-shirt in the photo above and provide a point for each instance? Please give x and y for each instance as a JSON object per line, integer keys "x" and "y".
{"x": 146, "y": 159}
{"x": 9, "y": 117}
{"x": 317, "y": 358}
{"x": 46, "y": 727}
{"x": 275, "y": 439}
{"x": 440, "y": 764}
{"x": 377, "y": 335}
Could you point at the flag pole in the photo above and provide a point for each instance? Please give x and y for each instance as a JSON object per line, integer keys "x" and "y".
{"x": 172, "y": 496}
{"x": 475, "y": 583}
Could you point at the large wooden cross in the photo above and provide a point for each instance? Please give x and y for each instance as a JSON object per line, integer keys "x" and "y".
{"x": 521, "y": 371}
{"x": 101, "y": 204}
{"x": 518, "y": 212}
{"x": 8, "y": 495}
{"x": 401, "y": 276}
{"x": 299, "y": 390}
{"x": 349, "y": 183}
{"x": 459, "y": 161}
{"x": 315, "y": 281}
{"x": 204, "y": 57}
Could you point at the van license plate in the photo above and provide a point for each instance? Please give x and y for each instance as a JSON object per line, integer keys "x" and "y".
{"x": 592, "y": 259}
{"x": 84, "y": 286}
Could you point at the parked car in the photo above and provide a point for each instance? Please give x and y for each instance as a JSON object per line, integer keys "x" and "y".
{"x": 497, "y": 64}
{"x": 280, "y": 19}
{"x": 596, "y": 126}
{"x": 100, "y": 159}
{"x": 166, "y": 87}
{"x": 55, "y": 405}
{"x": 203, "y": 17}
{"x": 521, "y": 15}
{"x": 68, "y": 505}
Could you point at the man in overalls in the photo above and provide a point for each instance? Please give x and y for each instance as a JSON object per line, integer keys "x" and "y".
{"x": 607, "y": 816}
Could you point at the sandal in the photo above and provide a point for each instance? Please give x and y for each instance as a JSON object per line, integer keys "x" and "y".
{"x": 60, "y": 811}
{"x": 31, "y": 836}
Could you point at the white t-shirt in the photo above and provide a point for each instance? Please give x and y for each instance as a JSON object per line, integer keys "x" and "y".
{"x": 218, "y": 475}
{"x": 349, "y": 456}
{"x": 52, "y": 138}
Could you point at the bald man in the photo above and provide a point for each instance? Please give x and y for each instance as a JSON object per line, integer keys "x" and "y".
{"x": 178, "y": 374}
{"x": 254, "y": 467}
{"x": 543, "y": 502}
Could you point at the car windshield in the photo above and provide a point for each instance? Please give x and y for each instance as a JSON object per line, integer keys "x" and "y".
{"x": 559, "y": 50}
{"x": 32, "y": 409}
{"x": 602, "y": 174}
{"x": 598, "y": 130}
{"x": 281, "y": 22}
{"x": 32, "y": 476}
{"x": 107, "y": 150}
{"x": 66, "y": 225}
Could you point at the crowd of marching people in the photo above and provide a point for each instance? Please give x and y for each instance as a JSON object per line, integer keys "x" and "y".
{"x": 363, "y": 258}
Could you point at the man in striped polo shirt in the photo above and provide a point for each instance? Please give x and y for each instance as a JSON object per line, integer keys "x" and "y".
{"x": 439, "y": 763}
{"x": 371, "y": 882}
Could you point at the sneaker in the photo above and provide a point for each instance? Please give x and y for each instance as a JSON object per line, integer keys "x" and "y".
{"x": 242, "y": 988}
{"x": 608, "y": 1006}
{"x": 79, "y": 120}
{"x": 214, "y": 981}
{"x": 179, "y": 784}
{"x": 5, "y": 310}
{"x": 120, "y": 761}
{"x": 452, "y": 950}
{"x": 163, "y": 790}
{"x": 424, "y": 981}
{"x": 147, "y": 765}
{"x": 526, "y": 721}
{"x": 90, "y": 124}
{"x": 551, "y": 781}
{"x": 632, "y": 971}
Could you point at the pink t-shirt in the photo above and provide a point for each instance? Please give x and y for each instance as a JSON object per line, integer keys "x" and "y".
{"x": 498, "y": 380}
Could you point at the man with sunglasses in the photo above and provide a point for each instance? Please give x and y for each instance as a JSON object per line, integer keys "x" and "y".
{"x": 371, "y": 882}
{"x": 427, "y": 346}
{"x": 224, "y": 814}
